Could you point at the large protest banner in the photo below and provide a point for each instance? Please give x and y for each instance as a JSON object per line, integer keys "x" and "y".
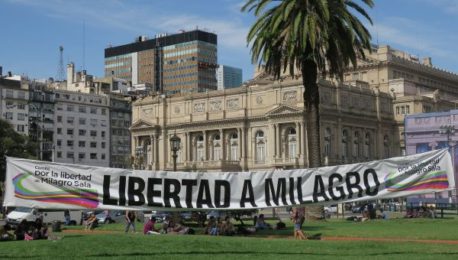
{"x": 49, "y": 185}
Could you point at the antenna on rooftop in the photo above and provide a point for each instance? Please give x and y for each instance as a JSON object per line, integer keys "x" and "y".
{"x": 60, "y": 70}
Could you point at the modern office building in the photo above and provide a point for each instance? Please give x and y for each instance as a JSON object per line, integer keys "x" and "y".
{"x": 179, "y": 63}
{"x": 261, "y": 126}
{"x": 228, "y": 77}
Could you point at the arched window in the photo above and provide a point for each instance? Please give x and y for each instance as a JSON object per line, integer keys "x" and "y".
{"x": 216, "y": 147}
{"x": 292, "y": 143}
{"x": 260, "y": 147}
{"x": 355, "y": 150}
{"x": 344, "y": 145}
{"x": 200, "y": 148}
{"x": 327, "y": 142}
{"x": 386, "y": 146}
{"x": 367, "y": 146}
{"x": 234, "y": 147}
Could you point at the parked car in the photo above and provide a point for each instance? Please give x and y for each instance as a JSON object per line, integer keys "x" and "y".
{"x": 113, "y": 216}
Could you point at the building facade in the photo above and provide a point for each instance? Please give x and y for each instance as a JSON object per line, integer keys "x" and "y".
{"x": 228, "y": 77}
{"x": 178, "y": 63}
{"x": 120, "y": 122}
{"x": 431, "y": 131}
{"x": 416, "y": 85}
{"x": 41, "y": 119}
{"x": 14, "y": 103}
{"x": 261, "y": 126}
{"x": 82, "y": 128}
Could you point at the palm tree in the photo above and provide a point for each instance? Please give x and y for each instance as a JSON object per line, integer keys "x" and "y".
{"x": 311, "y": 37}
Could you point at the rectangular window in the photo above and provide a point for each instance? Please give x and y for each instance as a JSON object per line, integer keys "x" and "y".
{"x": 93, "y": 144}
{"x": 103, "y": 156}
{"x": 103, "y": 145}
{"x": 21, "y": 116}
{"x": 82, "y": 109}
{"x": 93, "y": 110}
{"x": 59, "y": 154}
{"x": 70, "y": 131}
{"x": 21, "y": 106}
{"x": 82, "y": 121}
{"x": 70, "y": 120}
{"x": 81, "y": 144}
{"x": 94, "y": 122}
{"x": 93, "y": 133}
{"x": 70, "y": 143}
{"x": 59, "y": 119}
{"x": 59, "y": 131}
{"x": 103, "y": 133}
{"x": 82, "y": 132}
{"x": 9, "y": 115}
{"x": 81, "y": 155}
{"x": 59, "y": 142}
{"x": 20, "y": 128}
{"x": 104, "y": 111}
{"x": 70, "y": 108}
{"x": 93, "y": 156}
{"x": 70, "y": 155}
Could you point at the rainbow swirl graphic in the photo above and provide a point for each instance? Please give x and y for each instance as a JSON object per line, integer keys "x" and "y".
{"x": 431, "y": 180}
{"x": 72, "y": 196}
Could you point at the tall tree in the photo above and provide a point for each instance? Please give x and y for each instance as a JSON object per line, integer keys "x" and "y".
{"x": 13, "y": 144}
{"x": 311, "y": 38}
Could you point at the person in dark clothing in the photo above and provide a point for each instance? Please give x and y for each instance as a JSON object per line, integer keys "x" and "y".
{"x": 130, "y": 220}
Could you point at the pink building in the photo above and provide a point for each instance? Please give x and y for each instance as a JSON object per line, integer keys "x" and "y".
{"x": 431, "y": 131}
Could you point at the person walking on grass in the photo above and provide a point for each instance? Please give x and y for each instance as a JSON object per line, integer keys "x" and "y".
{"x": 130, "y": 220}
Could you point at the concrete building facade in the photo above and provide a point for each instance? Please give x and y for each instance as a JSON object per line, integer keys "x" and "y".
{"x": 82, "y": 128}
{"x": 14, "y": 103}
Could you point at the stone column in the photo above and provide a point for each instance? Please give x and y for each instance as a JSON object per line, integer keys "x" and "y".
{"x": 223, "y": 144}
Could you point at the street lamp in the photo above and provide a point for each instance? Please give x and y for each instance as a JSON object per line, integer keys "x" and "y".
{"x": 449, "y": 130}
{"x": 175, "y": 146}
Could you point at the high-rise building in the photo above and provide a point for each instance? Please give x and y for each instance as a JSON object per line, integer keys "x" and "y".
{"x": 178, "y": 63}
{"x": 228, "y": 77}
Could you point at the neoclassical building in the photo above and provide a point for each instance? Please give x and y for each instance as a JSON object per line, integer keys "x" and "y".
{"x": 261, "y": 125}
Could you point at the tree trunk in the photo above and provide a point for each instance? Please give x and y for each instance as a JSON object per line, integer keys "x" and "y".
{"x": 312, "y": 120}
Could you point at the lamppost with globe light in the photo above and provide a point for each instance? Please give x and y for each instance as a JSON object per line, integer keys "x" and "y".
{"x": 175, "y": 146}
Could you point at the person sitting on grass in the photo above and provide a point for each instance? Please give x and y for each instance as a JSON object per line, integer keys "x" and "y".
{"x": 298, "y": 233}
{"x": 148, "y": 228}
{"x": 227, "y": 228}
{"x": 91, "y": 222}
{"x": 21, "y": 229}
{"x": 5, "y": 234}
{"x": 211, "y": 225}
{"x": 261, "y": 223}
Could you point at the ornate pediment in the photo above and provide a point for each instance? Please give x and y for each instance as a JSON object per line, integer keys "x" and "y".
{"x": 141, "y": 124}
{"x": 283, "y": 110}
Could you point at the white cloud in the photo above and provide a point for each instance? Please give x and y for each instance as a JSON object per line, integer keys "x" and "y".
{"x": 422, "y": 38}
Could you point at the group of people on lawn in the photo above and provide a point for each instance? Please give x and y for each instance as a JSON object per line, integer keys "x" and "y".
{"x": 25, "y": 231}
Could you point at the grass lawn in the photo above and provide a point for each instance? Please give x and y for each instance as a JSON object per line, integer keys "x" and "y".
{"x": 271, "y": 244}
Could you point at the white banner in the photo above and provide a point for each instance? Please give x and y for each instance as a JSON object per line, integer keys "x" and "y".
{"x": 49, "y": 185}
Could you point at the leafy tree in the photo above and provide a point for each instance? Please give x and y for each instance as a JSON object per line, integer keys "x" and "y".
{"x": 308, "y": 37}
{"x": 13, "y": 144}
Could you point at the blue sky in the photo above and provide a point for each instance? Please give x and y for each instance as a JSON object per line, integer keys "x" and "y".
{"x": 33, "y": 30}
